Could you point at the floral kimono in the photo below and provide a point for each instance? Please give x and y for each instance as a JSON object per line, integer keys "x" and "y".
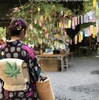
{"x": 16, "y": 49}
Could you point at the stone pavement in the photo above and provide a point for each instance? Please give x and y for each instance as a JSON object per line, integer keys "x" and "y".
{"x": 79, "y": 82}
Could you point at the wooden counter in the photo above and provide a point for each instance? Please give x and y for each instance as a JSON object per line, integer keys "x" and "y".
{"x": 62, "y": 57}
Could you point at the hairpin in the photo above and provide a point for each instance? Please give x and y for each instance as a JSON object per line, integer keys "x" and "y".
{"x": 18, "y": 25}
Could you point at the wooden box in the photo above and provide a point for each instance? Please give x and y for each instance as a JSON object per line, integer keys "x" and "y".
{"x": 50, "y": 64}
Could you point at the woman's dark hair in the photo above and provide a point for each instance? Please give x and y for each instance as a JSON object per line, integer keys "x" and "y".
{"x": 16, "y": 25}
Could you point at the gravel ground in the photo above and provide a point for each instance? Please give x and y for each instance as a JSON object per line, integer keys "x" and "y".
{"x": 79, "y": 82}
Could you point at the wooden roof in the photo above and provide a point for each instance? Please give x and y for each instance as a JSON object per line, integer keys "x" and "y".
{"x": 6, "y": 7}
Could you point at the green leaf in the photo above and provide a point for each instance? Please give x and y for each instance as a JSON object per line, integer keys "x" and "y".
{"x": 7, "y": 71}
{"x": 9, "y": 67}
{"x": 12, "y": 71}
{"x": 14, "y": 66}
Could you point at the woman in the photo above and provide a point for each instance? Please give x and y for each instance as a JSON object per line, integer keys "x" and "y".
{"x": 14, "y": 48}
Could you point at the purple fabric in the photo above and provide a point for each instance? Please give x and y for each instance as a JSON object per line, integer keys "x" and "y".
{"x": 29, "y": 94}
{"x": 2, "y": 46}
{"x": 30, "y": 51}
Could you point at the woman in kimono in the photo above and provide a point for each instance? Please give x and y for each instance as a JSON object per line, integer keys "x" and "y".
{"x": 14, "y": 48}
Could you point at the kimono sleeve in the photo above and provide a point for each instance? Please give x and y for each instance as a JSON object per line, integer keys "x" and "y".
{"x": 35, "y": 68}
{"x": 33, "y": 63}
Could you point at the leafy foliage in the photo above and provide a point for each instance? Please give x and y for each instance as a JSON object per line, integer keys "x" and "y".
{"x": 88, "y": 6}
{"x": 2, "y": 32}
{"x": 43, "y": 17}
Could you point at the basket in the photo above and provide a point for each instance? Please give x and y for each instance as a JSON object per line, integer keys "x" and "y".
{"x": 44, "y": 89}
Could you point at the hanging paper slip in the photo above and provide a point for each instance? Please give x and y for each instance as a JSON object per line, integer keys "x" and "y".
{"x": 73, "y": 23}
{"x": 75, "y": 40}
{"x": 88, "y": 30}
{"x": 79, "y": 38}
{"x": 69, "y": 23}
{"x": 94, "y": 30}
{"x": 86, "y": 33}
{"x": 91, "y": 29}
{"x": 81, "y": 19}
{"x": 40, "y": 41}
{"x": 94, "y": 3}
{"x": 60, "y": 24}
{"x": 44, "y": 41}
{"x": 75, "y": 20}
{"x": 81, "y": 32}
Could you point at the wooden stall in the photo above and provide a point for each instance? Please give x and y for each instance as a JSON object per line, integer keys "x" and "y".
{"x": 54, "y": 62}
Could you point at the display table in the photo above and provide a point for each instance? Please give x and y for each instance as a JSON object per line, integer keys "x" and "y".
{"x": 62, "y": 57}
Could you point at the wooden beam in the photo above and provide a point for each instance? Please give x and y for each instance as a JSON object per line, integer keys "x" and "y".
{"x": 6, "y": 7}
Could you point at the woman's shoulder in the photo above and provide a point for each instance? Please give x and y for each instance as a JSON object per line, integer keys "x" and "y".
{"x": 25, "y": 46}
{"x": 29, "y": 50}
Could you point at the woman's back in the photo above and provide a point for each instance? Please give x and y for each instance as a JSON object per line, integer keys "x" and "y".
{"x": 16, "y": 49}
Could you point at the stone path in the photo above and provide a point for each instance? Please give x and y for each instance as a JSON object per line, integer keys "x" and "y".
{"x": 79, "y": 82}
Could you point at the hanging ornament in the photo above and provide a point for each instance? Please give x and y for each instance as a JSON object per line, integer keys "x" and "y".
{"x": 31, "y": 27}
{"x": 41, "y": 18}
{"x": 62, "y": 13}
{"x": 75, "y": 39}
{"x": 44, "y": 40}
{"x": 80, "y": 39}
{"x": 40, "y": 23}
{"x": 94, "y": 3}
{"x": 40, "y": 41}
{"x": 70, "y": 17}
{"x": 60, "y": 24}
{"x": 35, "y": 21}
{"x": 57, "y": 36}
{"x": 45, "y": 17}
{"x": 38, "y": 9}
{"x": 66, "y": 13}
{"x": 50, "y": 19}
{"x": 54, "y": 43}
{"x": 94, "y": 31}
{"x": 69, "y": 23}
